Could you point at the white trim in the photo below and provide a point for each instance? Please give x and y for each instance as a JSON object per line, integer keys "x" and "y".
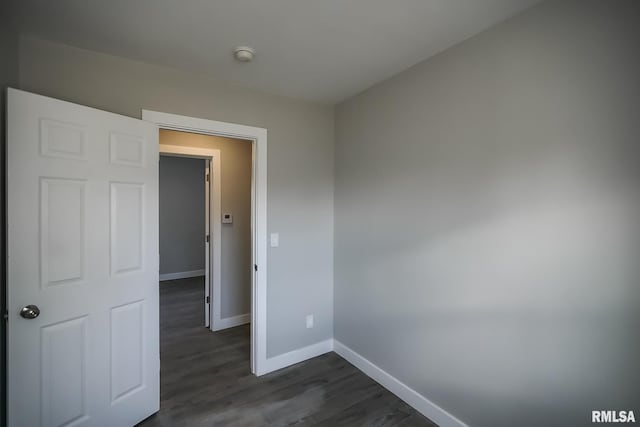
{"x": 208, "y": 245}
{"x": 297, "y": 356}
{"x": 397, "y": 387}
{"x": 230, "y": 322}
{"x": 259, "y": 214}
{"x": 181, "y": 275}
{"x": 215, "y": 245}
{"x": 186, "y": 151}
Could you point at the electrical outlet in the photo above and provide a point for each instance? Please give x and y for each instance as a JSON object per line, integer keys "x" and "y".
{"x": 309, "y": 321}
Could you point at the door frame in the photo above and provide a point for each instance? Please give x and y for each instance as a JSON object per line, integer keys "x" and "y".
{"x": 258, "y": 137}
{"x": 213, "y": 247}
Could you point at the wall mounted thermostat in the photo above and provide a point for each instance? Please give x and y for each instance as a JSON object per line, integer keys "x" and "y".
{"x": 227, "y": 218}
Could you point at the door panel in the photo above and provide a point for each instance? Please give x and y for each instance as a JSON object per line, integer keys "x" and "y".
{"x": 62, "y": 225}
{"x": 127, "y": 349}
{"x": 127, "y": 216}
{"x": 127, "y": 150}
{"x": 82, "y": 206}
{"x": 59, "y": 139}
{"x": 64, "y": 379}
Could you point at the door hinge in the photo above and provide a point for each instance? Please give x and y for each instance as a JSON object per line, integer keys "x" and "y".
{"x": 207, "y": 238}
{"x": 207, "y": 177}
{"x": 6, "y": 315}
{"x": 255, "y": 267}
{"x": 207, "y": 299}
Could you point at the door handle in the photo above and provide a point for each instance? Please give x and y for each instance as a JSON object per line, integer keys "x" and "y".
{"x": 30, "y": 311}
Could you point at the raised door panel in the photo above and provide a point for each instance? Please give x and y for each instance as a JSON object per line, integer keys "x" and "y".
{"x": 63, "y": 397}
{"x": 127, "y": 227}
{"x": 127, "y": 350}
{"x": 62, "y": 231}
{"x": 128, "y": 150}
{"x": 63, "y": 140}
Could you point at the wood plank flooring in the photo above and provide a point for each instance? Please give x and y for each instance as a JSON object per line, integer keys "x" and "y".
{"x": 205, "y": 379}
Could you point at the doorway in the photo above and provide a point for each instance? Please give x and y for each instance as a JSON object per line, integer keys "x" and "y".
{"x": 189, "y": 200}
{"x": 205, "y": 221}
{"x": 205, "y": 211}
{"x": 258, "y": 139}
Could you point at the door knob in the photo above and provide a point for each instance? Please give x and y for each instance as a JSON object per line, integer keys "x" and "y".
{"x": 30, "y": 311}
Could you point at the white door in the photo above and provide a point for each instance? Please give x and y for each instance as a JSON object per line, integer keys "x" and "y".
{"x": 82, "y": 208}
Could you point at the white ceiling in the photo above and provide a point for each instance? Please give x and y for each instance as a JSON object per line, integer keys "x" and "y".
{"x": 319, "y": 50}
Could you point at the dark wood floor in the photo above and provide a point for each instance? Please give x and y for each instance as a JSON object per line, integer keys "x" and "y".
{"x": 205, "y": 379}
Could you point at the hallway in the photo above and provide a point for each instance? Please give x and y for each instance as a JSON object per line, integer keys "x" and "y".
{"x": 206, "y": 380}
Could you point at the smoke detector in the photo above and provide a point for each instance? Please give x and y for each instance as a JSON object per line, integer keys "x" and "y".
{"x": 244, "y": 53}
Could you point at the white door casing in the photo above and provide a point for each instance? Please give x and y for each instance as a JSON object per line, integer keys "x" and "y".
{"x": 82, "y": 206}
{"x": 259, "y": 362}
{"x": 213, "y": 229}
{"x": 207, "y": 246}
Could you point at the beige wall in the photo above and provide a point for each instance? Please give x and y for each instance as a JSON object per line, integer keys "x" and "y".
{"x": 488, "y": 219}
{"x": 300, "y": 164}
{"x": 235, "y": 198}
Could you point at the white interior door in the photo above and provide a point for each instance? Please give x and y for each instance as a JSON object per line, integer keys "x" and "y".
{"x": 82, "y": 207}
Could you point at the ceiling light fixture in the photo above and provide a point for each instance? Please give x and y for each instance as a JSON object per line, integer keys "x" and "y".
{"x": 244, "y": 53}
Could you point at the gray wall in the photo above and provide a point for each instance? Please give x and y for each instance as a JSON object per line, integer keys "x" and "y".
{"x": 487, "y": 213}
{"x": 182, "y": 214}
{"x": 8, "y": 77}
{"x": 235, "y": 198}
{"x": 300, "y": 157}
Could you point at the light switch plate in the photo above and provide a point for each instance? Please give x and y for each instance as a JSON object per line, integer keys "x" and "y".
{"x": 275, "y": 240}
{"x": 309, "y": 321}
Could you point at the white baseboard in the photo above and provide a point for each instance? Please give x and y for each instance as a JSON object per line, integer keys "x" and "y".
{"x": 296, "y": 356}
{"x": 397, "y": 387}
{"x": 181, "y": 275}
{"x": 230, "y": 322}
